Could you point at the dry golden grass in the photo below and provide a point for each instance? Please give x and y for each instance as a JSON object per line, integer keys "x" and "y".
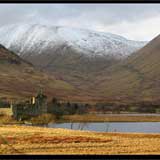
{"x": 111, "y": 118}
{"x": 6, "y": 111}
{"x": 6, "y": 119}
{"x": 36, "y": 140}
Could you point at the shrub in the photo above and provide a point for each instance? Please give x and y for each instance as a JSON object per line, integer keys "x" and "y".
{"x": 43, "y": 119}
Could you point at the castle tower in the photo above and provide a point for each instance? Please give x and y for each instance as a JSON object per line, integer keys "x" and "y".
{"x": 33, "y": 100}
{"x": 41, "y": 102}
{"x": 11, "y": 104}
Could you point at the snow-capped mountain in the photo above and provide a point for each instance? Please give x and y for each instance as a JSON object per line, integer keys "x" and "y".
{"x": 40, "y": 39}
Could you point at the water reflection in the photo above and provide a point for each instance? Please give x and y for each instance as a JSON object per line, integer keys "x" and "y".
{"x": 144, "y": 127}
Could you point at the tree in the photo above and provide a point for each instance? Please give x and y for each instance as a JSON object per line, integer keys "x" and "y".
{"x": 56, "y": 108}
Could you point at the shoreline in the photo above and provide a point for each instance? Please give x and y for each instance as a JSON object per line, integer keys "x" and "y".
{"x": 110, "y": 118}
{"x": 88, "y": 118}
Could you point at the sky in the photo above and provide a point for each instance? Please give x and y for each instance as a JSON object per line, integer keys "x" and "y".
{"x": 134, "y": 21}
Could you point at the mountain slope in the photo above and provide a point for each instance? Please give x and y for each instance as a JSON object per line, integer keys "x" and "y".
{"x": 72, "y": 55}
{"x": 19, "y": 79}
{"x": 135, "y": 78}
{"x": 10, "y": 57}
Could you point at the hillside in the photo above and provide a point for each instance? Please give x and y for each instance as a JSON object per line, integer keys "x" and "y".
{"x": 19, "y": 79}
{"x": 135, "y": 78}
{"x": 70, "y": 54}
{"x": 10, "y": 57}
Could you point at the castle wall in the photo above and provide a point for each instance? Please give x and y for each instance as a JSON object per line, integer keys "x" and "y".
{"x": 37, "y": 106}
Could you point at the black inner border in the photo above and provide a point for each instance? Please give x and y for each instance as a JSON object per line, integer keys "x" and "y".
{"x": 80, "y": 1}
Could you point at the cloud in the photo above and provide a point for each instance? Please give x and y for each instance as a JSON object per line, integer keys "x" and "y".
{"x": 134, "y": 21}
{"x": 145, "y": 29}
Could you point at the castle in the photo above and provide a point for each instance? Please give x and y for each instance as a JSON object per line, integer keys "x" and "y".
{"x": 36, "y": 106}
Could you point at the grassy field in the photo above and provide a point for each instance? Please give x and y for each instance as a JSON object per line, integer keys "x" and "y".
{"x": 36, "y": 140}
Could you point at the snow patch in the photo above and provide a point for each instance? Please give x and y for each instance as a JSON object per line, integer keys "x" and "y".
{"x": 26, "y": 38}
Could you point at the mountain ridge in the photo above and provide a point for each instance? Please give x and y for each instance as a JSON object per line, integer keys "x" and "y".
{"x": 25, "y": 38}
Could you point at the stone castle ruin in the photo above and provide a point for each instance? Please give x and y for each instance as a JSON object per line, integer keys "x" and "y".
{"x": 36, "y": 106}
